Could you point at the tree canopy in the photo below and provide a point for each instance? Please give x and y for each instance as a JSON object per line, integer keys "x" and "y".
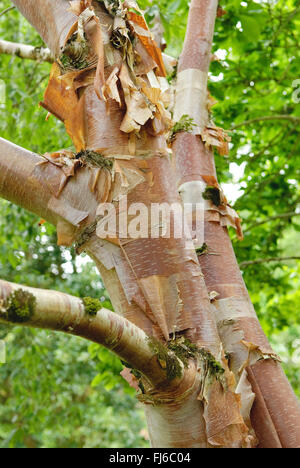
{"x": 253, "y": 79}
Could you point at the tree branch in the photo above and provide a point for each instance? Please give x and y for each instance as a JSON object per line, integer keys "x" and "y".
{"x": 272, "y": 218}
{"x": 289, "y": 18}
{"x": 266, "y": 260}
{"x": 16, "y": 168}
{"x": 24, "y": 51}
{"x": 61, "y": 312}
{"x": 43, "y": 54}
{"x": 52, "y": 19}
{"x": 292, "y": 118}
{"x": 7, "y": 10}
{"x": 192, "y": 160}
{"x": 196, "y": 53}
{"x": 30, "y": 181}
{"x": 193, "y": 66}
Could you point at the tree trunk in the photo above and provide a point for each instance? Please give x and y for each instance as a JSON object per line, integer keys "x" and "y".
{"x": 195, "y": 171}
{"x": 197, "y": 365}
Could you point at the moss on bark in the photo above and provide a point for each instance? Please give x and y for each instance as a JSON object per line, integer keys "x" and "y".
{"x": 20, "y": 306}
{"x": 91, "y": 305}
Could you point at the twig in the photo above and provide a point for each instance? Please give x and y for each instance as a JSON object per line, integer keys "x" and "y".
{"x": 52, "y": 310}
{"x": 266, "y": 260}
{"x": 292, "y": 118}
{"x": 7, "y": 10}
{"x": 272, "y": 218}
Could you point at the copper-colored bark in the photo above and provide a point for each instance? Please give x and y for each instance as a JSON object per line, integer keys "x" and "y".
{"x": 274, "y": 396}
{"x": 157, "y": 284}
{"x": 51, "y": 18}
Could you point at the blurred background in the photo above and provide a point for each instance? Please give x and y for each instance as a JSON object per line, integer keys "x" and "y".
{"x": 61, "y": 391}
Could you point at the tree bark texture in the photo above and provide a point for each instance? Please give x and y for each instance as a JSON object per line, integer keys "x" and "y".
{"x": 195, "y": 169}
{"x": 112, "y": 95}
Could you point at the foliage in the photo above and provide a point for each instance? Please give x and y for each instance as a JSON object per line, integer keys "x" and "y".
{"x": 58, "y": 393}
{"x": 54, "y": 393}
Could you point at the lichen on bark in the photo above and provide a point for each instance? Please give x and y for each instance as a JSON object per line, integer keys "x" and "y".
{"x": 94, "y": 159}
{"x": 166, "y": 358}
{"x": 114, "y": 7}
{"x": 202, "y": 250}
{"x": 174, "y": 356}
{"x": 214, "y": 368}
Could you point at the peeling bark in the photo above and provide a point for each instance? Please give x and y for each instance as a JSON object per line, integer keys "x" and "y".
{"x": 116, "y": 111}
{"x": 51, "y": 18}
{"x": 32, "y": 182}
{"x": 238, "y": 325}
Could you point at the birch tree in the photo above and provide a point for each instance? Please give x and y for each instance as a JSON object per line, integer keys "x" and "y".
{"x": 183, "y": 323}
